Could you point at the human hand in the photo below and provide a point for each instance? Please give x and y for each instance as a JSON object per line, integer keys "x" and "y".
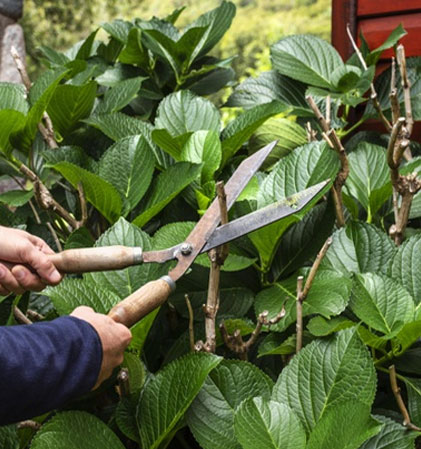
{"x": 115, "y": 338}
{"x": 17, "y": 248}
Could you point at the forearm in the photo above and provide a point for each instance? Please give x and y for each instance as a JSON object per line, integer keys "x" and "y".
{"x": 44, "y": 365}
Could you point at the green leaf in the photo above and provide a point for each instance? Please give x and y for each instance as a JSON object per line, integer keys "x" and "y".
{"x": 406, "y": 266}
{"x": 326, "y": 373}
{"x": 73, "y": 430}
{"x": 168, "y": 395}
{"x": 183, "y": 112}
{"x": 318, "y": 301}
{"x": 413, "y": 387}
{"x": 217, "y": 23}
{"x": 321, "y": 327}
{"x": 311, "y": 163}
{"x": 270, "y": 86}
{"x": 289, "y": 135}
{"x": 128, "y": 165}
{"x": 125, "y": 282}
{"x": 70, "y": 104}
{"x": 39, "y": 98}
{"x": 72, "y": 154}
{"x": 360, "y": 248}
{"x": 136, "y": 369}
{"x": 134, "y": 53}
{"x": 392, "y": 40}
{"x": 85, "y": 49}
{"x": 306, "y": 58}
{"x": 141, "y": 330}
{"x": 80, "y": 238}
{"x": 13, "y": 96}
{"x": 72, "y": 293}
{"x": 9, "y": 437}
{"x": 348, "y": 424}
{"x": 242, "y": 127}
{"x": 125, "y": 416}
{"x": 102, "y": 195}
{"x": 369, "y": 178}
{"x": 166, "y": 187}
{"x": 118, "y": 29}
{"x": 268, "y": 424}
{"x": 203, "y": 147}
{"x": 11, "y": 122}
{"x": 391, "y": 436}
{"x": 171, "y": 145}
{"x": 211, "y": 415}
{"x": 118, "y": 96}
{"x": 382, "y": 303}
{"x": 16, "y": 198}
{"x": 275, "y": 343}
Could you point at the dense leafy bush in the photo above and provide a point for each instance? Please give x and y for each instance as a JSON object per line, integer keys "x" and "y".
{"x": 132, "y": 158}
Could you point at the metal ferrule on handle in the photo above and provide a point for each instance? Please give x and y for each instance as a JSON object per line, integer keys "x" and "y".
{"x": 97, "y": 259}
{"x": 142, "y": 301}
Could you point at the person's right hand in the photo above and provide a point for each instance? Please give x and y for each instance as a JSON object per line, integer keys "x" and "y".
{"x": 115, "y": 338}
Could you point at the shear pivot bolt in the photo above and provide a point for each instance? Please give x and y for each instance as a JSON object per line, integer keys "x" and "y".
{"x": 186, "y": 249}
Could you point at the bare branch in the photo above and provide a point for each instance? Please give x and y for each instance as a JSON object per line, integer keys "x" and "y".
{"x": 35, "y": 316}
{"x": 123, "y": 383}
{"x": 29, "y": 424}
{"x": 83, "y": 206}
{"x": 401, "y": 404}
{"x": 191, "y": 323}
{"x": 406, "y": 85}
{"x": 20, "y": 316}
{"x": 311, "y": 133}
{"x": 299, "y": 325}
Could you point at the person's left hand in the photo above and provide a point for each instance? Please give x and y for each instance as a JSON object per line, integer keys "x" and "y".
{"x": 24, "y": 264}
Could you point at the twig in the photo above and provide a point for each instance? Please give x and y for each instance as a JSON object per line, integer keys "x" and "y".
{"x": 34, "y": 316}
{"x": 191, "y": 321}
{"x": 373, "y": 95}
{"x": 299, "y": 325}
{"x": 311, "y": 133}
{"x": 20, "y": 316}
{"x": 29, "y": 424}
{"x": 335, "y": 143}
{"x": 123, "y": 383}
{"x": 394, "y": 102}
{"x": 217, "y": 258}
{"x": 83, "y": 205}
{"x": 328, "y": 110}
{"x": 46, "y": 131}
{"x": 402, "y": 407}
{"x": 406, "y": 85}
{"x": 236, "y": 343}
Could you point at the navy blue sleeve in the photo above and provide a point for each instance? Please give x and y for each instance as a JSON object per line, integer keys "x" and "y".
{"x": 43, "y": 365}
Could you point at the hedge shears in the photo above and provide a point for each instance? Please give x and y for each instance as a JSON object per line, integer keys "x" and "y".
{"x": 205, "y": 236}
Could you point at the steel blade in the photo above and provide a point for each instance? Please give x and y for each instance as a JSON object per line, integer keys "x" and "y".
{"x": 263, "y": 217}
{"x": 196, "y": 240}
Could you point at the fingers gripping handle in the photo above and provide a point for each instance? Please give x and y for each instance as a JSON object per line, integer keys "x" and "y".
{"x": 96, "y": 259}
{"x": 142, "y": 301}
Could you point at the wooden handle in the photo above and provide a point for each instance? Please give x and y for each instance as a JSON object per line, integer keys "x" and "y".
{"x": 142, "y": 301}
{"x": 96, "y": 259}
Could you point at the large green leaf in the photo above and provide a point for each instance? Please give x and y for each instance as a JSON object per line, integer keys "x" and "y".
{"x": 72, "y": 293}
{"x": 406, "y": 266}
{"x": 16, "y": 198}
{"x": 321, "y": 327}
{"x": 382, "y": 303}
{"x": 118, "y": 96}
{"x": 134, "y": 52}
{"x": 217, "y": 23}
{"x": 11, "y": 121}
{"x": 328, "y": 296}
{"x": 270, "y": 86}
{"x": 268, "y": 424}
{"x": 326, "y": 373}
{"x": 306, "y": 58}
{"x": 126, "y": 281}
{"x": 288, "y": 134}
{"x": 9, "y": 438}
{"x": 75, "y": 430}
{"x": 183, "y": 112}
{"x": 73, "y": 154}
{"x": 168, "y": 395}
{"x": 128, "y": 165}
{"x": 360, "y": 248}
{"x": 39, "y": 98}
{"x": 70, "y": 104}
{"x": 391, "y": 436}
{"x": 242, "y": 127}
{"x": 102, "y": 195}
{"x": 369, "y": 178}
{"x": 304, "y": 167}
{"x": 211, "y": 415}
{"x": 203, "y": 147}
{"x": 413, "y": 388}
{"x": 13, "y": 96}
{"x": 166, "y": 187}
{"x": 391, "y": 41}
{"x": 348, "y": 424}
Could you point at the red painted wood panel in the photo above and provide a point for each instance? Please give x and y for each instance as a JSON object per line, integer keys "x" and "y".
{"x": 343, "y": 12}
{"x": 377, "y": 7}
{"x": 376, "y": 30}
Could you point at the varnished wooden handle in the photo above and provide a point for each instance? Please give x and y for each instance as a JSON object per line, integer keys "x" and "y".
{"x": 96, "y": 259}
{"x": 142, "y": 301}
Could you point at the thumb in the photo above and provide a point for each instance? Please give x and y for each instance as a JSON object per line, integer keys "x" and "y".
{"x": 42, "y": 265}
